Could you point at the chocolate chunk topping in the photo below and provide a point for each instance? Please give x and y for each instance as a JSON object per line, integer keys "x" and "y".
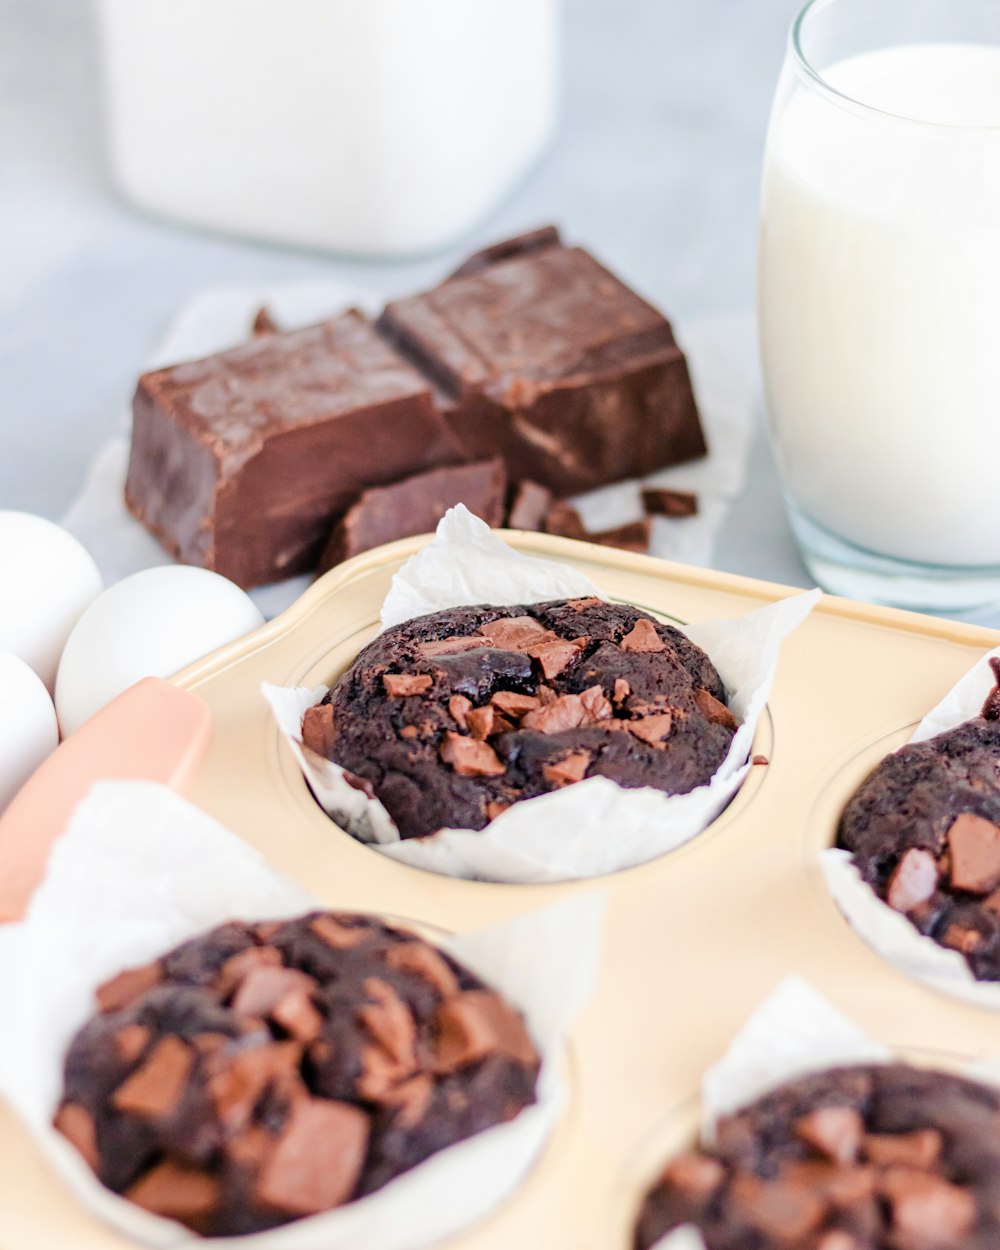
{"x": 914, "y": 881}
{"x": 317, "y": 728}
{"x": 643, "y": 637}
{"x": 77, "y": 1124}
{"x": 128, "y": 985}
{"x": 974, "y": 843}
{"x": 568, "y": 770}
{"x": 157, "y": 1086}
{"x": 400, "y": 685}
{"x": 470, "y": 758}
{"x": 264, "y": 323}
{"x": 176, "y": 1192}
{"x": 475, "y": 1024}
{"x": 564, "y": 521}
{"x": 833, "y": 1131}
{"x": 317, "y": 1160}
{"x": 714, "y": 711}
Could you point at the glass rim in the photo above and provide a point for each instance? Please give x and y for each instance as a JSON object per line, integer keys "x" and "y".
{"x": 813, "y": 78}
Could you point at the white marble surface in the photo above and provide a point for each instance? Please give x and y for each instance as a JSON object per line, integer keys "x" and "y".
{"x": 656, "y": 168}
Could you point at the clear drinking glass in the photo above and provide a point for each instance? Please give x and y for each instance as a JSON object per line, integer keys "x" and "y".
{"x": 879, "y": 297}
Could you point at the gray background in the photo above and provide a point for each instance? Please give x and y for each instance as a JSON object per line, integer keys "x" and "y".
{"x": 656, "y": 168}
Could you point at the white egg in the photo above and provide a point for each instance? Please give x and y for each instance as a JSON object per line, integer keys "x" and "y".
{"x": 46, "y": 581}
{"x": 28, "y": 730}
{"x": 150, "y": 625}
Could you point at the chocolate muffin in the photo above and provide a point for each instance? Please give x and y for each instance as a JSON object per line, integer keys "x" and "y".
{"x": 860, "y": 1158}
{"x": 924, "y": 830}
{"x": 264, "y": 1072}
{"x": 450, "y": 718}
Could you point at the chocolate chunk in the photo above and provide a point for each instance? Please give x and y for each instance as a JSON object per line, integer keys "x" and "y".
{"x": 550, "y": 361}
{"x": 555, "y": 657}
{"x": 341, "y": 936}
{"x": 513, "y": 704}
{"x": 264, "y": 989}
{"x": 658, "y": 501}
{"x": 400, "y": 685}
{"x": 564, "y": 521}
{"x": 131, "y": 1041}
{"x": 695, "y": 1175}
{"x": 264, "y": 323}
{"x": 481, "y": 721}
{"x": 522, "y": 245}
{"x": 632, "y": 537}
{"x": 390, "y": 1023}
{"x": 127, "y": 986}
{"x": 317, "y": 728}
{"x": 921, "y": 1149}
{"x": 413, "y": 1098}
{"x": 714, "y": 711}
{"x": 241, "y": 462}
{"x": 643, "y": 637}
{"x": 974, "y": 843}
{"x": 962, "y": 938}
{"x": 415, "y": 505}
{"x": 459, "y": 708}
{"x": 833, "y": 1131}
{"x": 516, "y": 633}
{"x": 622, "y": 690}
{"x": 424, "y": 961}
{"x": 318, "y": 1158}
{"x": 927, "y": 1209}
{"x": 914, "y": 881}
{"x": 451, "y": 646}
{"x": 529, "y": 505}
{"x": 570, "y": 769}
{"x": 470, "y": 758}
{"x": 495, "y": 809}
{"x": 652, "y": 729}
{"x": 157, "y": 1086}
{"x": 760, "y": 761}
{"x": 77, "y": 1125}
{"x": 475, "y": 1024}
{"x": 237, "y": 1084}
{"x": 565, "y": 712}
{"x": 780, "y": 1209}
{"x": 176, "y": 1192}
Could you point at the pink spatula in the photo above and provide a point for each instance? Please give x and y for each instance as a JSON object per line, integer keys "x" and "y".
{"x": 152, "y": 732}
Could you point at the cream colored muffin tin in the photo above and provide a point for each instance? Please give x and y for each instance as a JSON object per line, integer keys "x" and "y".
{"x": 693, "y": 941}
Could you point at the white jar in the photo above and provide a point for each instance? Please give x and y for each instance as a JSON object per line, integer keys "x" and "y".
{"x": 379, "y": 127}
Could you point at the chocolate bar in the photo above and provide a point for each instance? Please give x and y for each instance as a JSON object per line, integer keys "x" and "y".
{"x": 546, "y": 358}
{"x": 243, "y": 462}
{"x": 415, "y": 505}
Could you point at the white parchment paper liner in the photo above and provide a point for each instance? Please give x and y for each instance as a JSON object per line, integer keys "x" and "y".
{"x": 794, "y": 1032}
{"x": 584, "y": 830}
{"x": 887, "y": 931}
{"x": 141, "y": 870}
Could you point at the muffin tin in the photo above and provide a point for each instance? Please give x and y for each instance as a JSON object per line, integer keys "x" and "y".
{"x": 693, "y": 941}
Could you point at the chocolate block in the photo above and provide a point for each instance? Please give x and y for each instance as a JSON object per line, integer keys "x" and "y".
{"x": 522, "y": 245}
{"x": 546, "y": 358}
{"x": 415, "y": 505}
{"x": 631, "y": 537}
{"x": 529, "y": 504}
{"x": 241, "y": 462}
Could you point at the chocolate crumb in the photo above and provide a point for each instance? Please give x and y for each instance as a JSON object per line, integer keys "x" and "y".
{"x": 660, "y": 501}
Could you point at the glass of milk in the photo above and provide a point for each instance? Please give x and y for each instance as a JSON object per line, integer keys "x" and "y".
{"x": 879, "y": 297}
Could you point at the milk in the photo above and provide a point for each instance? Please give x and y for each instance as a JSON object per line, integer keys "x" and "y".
{"x": 879, "y": 302}
{"x": 380, "y": 127}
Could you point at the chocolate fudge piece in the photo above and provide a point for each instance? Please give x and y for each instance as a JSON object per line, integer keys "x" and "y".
{"x": 546, "y": 358}
{"x": 563, "y": 520}
{"x": 859, "y": 1158}
{"x": 242, "y": 462}
{"x": 658, "y": 501}
{"x": 450, "y": 718}
{"x": 521, "y": 245}
{"x": 415, "y": 505}
{"x": 924, "y": 831}
{"x": 631, "y": 537}
{"x": 529, "y": 504}
{"x": 264, "y": 1072}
